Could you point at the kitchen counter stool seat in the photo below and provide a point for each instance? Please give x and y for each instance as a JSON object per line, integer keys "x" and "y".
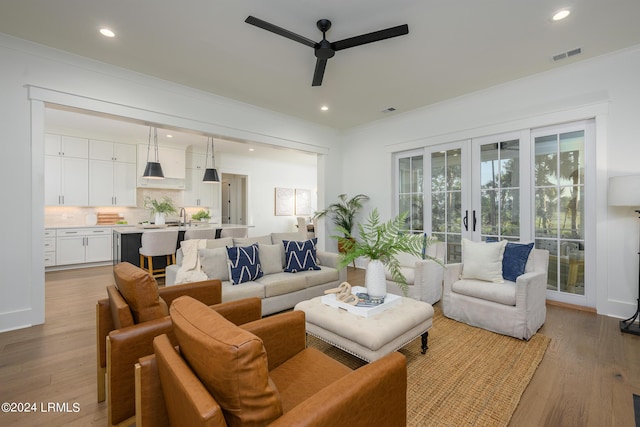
{"x": 158, "y": 243}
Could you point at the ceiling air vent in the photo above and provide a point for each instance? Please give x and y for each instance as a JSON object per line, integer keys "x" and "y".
{"x": 567, "y": 54}
{"x": 388, "y": 110}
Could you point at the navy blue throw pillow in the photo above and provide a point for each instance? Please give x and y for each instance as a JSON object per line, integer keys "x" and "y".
{"x": 515, "y": 260}
{"x": 300, "y": 256}
{"x": 244, "y": 264}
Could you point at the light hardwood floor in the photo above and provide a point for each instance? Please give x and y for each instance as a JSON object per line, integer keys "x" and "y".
{"x": 586, "y": 378}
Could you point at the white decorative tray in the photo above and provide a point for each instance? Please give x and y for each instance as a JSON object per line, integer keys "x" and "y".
{"x": 389, "y": 301}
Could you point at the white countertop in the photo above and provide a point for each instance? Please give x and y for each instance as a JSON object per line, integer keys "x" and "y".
{"x": 139, "y": 228}
{"x": 53, "y": 227}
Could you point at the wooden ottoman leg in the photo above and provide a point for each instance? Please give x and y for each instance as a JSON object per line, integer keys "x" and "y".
{"x": 425, "y": 337}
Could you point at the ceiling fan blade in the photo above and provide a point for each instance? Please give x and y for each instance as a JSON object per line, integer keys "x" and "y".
{"x": 400, "y": 30}
{"x": 279, "y": 31}
{"x": 321, "y": 64}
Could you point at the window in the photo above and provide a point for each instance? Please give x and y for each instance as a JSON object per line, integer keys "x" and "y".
{"x": 410, "y": 191}
{"x": 559, "y": 207}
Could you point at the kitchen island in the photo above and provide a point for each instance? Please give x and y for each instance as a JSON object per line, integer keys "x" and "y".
{"x": 128, "y": 240}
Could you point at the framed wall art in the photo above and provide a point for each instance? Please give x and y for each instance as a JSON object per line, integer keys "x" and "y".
{"x": 303, "y": 202}
{"x": 285, "y": 198}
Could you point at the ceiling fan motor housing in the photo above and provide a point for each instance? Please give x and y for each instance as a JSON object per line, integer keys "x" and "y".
{"x": 324, "y": 50}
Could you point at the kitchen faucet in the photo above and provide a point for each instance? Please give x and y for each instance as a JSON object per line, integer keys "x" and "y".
{"x": 183, "y": 216}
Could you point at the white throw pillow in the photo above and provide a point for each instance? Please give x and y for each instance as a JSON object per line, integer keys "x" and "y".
{"x": 482, "y": 261}
{"x": 270, "y": 258}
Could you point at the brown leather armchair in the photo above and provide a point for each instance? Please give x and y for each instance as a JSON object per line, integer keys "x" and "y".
{"x": 128, "y": 320}
{"x": 260, "y": 374}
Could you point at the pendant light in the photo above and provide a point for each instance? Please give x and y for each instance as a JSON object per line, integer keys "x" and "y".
{"x": 210, "y": 174}
{"x": 153, "y": 170}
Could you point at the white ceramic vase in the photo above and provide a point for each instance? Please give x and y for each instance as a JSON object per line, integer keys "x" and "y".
{"x": 159, "y": 218}
{"x": 375, "y": 280}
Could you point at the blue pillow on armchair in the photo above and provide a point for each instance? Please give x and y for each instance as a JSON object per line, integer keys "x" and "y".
{"x": 300, "y": 256}
{"x": 244, "y": 264}
{"x": 514, "y": 259}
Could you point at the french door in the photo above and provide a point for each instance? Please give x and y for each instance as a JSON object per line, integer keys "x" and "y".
{"x": 476, "y": 191}
{"x": 524, "y": 186}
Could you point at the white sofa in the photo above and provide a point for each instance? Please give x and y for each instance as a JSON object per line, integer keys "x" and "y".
{"x": 278, "y": 290}
{"x": 511, "y": 308}
{"x": 424, "y": 276}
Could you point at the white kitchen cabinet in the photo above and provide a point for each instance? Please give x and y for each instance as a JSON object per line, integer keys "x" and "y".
{"x": 113, "y": 151}
{"x": 197, "y": 192}
{"x": 66, "y": 146}
{"x": 49, "y": 248}
{"x": 66, "y": 181}
{"x": 197, "y": 160}
{"x": 83, "y": 245}
{"x": 173, "y": 161}
{"x": 112, "y": 173}
{"x": 112, "y": 183}
{"x": 66, "y": 171}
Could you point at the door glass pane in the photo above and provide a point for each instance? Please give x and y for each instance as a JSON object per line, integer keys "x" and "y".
{"x": 417, "y": 174}
{"x": 454, "y": 170}
{"x": 438, "y": 212}
{"x": 499, "y": 190}
{"x": 405, "y": 174}
{"x": 510, "y": 213}
{"x": 446, "y": 199}
{"x": 559, "y": 208}
{"x": 490, "y": 206}
{"x": 416, "y": 212}
{"x": 438, "y": 172}
{"x": 489, "y": 166}
{"x": 454, "y": 209}
{"x": 404, "y": 203}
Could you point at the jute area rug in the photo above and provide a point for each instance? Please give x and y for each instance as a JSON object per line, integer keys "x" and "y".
{"x": 468, "y": 376}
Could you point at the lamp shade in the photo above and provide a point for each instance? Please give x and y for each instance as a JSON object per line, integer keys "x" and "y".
{"x": 210, "y": 175}
{"x": 153, "y": 170}
{"x": 624, "y": 190}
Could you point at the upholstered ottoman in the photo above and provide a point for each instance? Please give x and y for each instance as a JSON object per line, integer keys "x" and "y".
{"x": 369, "y": 338}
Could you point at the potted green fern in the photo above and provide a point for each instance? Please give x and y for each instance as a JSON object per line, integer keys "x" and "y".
{"x": 380, "y": 242}
{"x": 343, "y": 214}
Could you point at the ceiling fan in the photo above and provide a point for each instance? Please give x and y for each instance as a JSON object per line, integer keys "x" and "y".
{"x": 325, "y": 49}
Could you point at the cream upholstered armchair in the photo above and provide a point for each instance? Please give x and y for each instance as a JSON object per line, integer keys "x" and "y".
{"x": 504, "y": 294}
{"x": 424, "y": 276}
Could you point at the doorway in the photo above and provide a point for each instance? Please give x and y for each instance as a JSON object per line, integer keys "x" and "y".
{"x": 234, "y": 199}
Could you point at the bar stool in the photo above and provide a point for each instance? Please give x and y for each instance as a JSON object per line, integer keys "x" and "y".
{"x": 203, "y": 233}
{"x": 234, "y": 232}
{"x": 158, "y": 243}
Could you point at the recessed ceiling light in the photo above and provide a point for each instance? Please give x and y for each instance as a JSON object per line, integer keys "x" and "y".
{"x": 169, "y": 135}
{"x": 107, "y": 32}
{"x": 561, "y": 14}
{"x": 252, "y": 149}
{"x": 324, "y": 108}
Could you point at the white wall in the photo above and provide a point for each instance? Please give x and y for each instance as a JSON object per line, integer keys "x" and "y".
{"x": 266, "y": 172}
{"x": 605, "y": 87}
{"x": 29, "y": 70}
